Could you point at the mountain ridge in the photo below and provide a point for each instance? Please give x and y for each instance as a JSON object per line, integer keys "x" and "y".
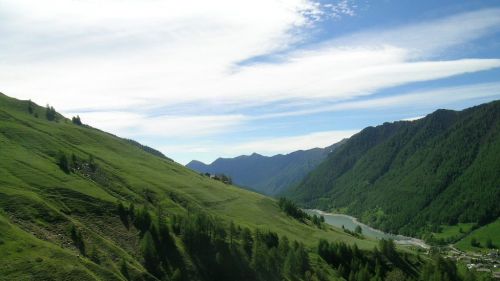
{"x": 269, "y": 175}
{"x": 430, "y": 160}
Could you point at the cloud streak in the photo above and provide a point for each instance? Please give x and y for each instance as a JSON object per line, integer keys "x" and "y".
{"x": 190, "y": 69}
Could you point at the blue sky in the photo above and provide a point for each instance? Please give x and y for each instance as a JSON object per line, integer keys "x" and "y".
{"x": 221, "y": 78}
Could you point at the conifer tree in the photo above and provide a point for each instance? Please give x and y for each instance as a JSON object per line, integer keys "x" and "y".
{"x": 124, "y": 269}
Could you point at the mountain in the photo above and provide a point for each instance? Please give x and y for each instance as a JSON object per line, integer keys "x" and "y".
{"x": 77, "y": 203}
{"x": 414, "y": 176}
{"x": 267, "y": 175}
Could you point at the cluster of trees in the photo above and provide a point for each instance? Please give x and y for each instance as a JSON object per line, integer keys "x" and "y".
{"x": 318, "y": 220}
{"x": 50, "y": 113}
{"x": 384, "y": 263}
{"x": 76, "y": 120}
{"x": 148, "y": 149}
{"x": 220, "y": 177}
{"x": 352, "y": 263}
{"x": 160, "y": 254}
{"x": 235, "y": 253}
{"x": 291, "y": 209}
{"x": 76, "y": 164}
{"x": 31, "y": 109}
{"x": 358, "y": 232}
{"x": 219, "y": 251}
{"x": 477, "y": 244}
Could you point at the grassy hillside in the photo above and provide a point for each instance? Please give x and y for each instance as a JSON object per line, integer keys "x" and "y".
{"x": 267, "y": 175}
{"x": 482, "y": 235}
{"x": 48, "y": 206}
{"x": 413, "y": 177}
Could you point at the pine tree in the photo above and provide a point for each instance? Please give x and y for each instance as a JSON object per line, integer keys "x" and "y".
{"x": 124, "y": 270}
{"x": 122, "y": 212}
{"x": 177, "y": 275}
{"x": 151, "y": 261}
{"x": 94, "y": 255}
{"x": 30, "y": 107}
{"x": 50, "y": 113}
{"x": 63, "y": 163}
{"x": 247, "y": 241}
{"x": 76, "y": 120}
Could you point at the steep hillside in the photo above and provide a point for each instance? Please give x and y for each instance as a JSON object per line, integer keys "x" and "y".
{"x": 411, "y": 177}
{"x": 267, "y": 175}
{"x": 77, "y": 203}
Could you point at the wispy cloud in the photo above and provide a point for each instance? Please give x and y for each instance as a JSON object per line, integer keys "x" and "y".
{"x": 174, "y": 69}
{"x": 435, "y": 97}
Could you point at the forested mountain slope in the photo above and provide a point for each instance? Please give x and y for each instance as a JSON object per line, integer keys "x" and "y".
{"x": 267, "y": 175}
{"x": 411, "y": 176}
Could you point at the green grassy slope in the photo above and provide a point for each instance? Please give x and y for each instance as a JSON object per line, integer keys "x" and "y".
{"x": 39, "y": 202}
{"x": 414, "y": 176}
{"x": 482, "y": 234}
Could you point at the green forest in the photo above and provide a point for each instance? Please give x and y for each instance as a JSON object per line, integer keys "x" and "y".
{"x": 401, "y": 176}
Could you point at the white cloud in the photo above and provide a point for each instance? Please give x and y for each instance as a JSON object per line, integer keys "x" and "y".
{"x": 80, "y": 55}
{"x": 132, "y": 125}
{"x": 427, "y": 98}
{"x": 115, "y": 61}
{"x": 271, "y": 146}
{"x": 430, "y": 37}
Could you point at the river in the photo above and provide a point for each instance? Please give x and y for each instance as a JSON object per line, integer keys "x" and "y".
{"x": 350, "y": 223}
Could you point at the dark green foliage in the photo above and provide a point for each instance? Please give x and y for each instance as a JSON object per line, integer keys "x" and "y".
{"x": 396, "y": 275}
{"x": 354, "y": 264}
{"x": 267, "y": 175}
{"x": 78, "y": 241}
{"x": 124, "y": 270}
{"x": 400, "y": 176}
{"x": 439, "y": 269}
{"x": 94, "y": 255}
{"x": 317, "y": 220}
{"x": 142, "y": 220}
{"x": 76, "y": 120}
{"x": 124, "y": 215}
{"x": 224, "y": 178}
{"x": 358, "y": 230}
{"x": 176, "y": 276}
{"x": 30, "y": 107}
{"x": 489, "y": 244}
{"x": 291, "y": 209}
{"x": 240, "y": 255}
{"x": 148, "y": 149}
{"x": 50, "y": 113}
{"x": 64, "y": 163}
{"x": 151, "y": 261}
{"x": 474, "y": 242}
{"x": 351, "y": 263}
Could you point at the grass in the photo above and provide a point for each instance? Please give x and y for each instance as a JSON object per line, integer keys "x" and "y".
{"x": 482, "y": 234}
{"x": 39, "y": 202}
{"x": 453, "y": 231}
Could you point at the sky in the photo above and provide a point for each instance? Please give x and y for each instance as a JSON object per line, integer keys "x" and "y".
{"x": 221, "y": 78}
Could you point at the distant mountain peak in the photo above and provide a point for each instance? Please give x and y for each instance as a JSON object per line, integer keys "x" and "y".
{"x": 266, "y": 174}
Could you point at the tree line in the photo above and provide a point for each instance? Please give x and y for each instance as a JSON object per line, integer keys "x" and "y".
{"x": 220, "y": 251}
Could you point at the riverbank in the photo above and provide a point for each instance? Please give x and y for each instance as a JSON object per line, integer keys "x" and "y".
{"x": 373, "y": 232}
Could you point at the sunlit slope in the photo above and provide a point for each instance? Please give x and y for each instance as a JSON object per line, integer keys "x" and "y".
{"x": 39, "y": 201}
